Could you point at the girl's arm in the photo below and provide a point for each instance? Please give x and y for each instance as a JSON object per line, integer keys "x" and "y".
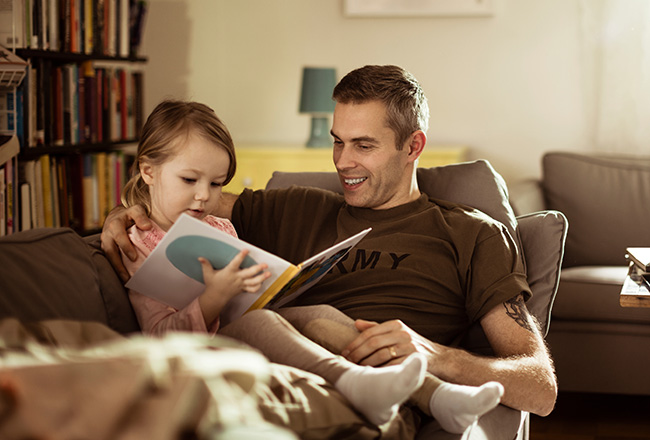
{"x": 222, "y": 285}
{"x": 156, "y": 318}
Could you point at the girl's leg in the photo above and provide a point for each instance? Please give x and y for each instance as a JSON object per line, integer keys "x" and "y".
{"x": 323, "y": 324}
{"x": 376, "y": 392}
{"x": 454, "y": 406}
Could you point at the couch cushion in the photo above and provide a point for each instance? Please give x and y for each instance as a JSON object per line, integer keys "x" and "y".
{"x": 543, "y": 235}
{"x": 591, "y": 293}
{"x": 50, "y": 273}
{"x": 606, "y": 201}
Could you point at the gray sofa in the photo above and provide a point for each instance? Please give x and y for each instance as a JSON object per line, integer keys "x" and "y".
{"x": 598, "y": 346}
{"x": 56, "y": 274}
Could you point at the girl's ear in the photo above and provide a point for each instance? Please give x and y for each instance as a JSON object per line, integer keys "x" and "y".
{"x": 146, "y": 171}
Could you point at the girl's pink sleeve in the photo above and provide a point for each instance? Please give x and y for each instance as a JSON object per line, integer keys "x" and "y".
{"x": 154, "y": 317}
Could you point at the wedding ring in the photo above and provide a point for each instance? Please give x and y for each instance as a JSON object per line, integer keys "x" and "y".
{"x": 392, "y": 351}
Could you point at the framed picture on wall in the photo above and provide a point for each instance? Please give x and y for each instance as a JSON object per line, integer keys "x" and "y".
{"x": 418, "y": 8}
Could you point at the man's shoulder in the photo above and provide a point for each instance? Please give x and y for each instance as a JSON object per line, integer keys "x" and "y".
{"x": 458, "y": 212}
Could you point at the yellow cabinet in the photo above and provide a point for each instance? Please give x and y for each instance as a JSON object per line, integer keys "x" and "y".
{"x": 255, "y": 164}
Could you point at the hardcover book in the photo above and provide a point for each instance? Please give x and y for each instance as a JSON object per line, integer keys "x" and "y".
{"x": 172, "y": 274}
{"x": 640, "y": 256}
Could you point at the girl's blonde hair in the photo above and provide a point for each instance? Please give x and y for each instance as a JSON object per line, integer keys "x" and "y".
{"x": 165, "y": 131}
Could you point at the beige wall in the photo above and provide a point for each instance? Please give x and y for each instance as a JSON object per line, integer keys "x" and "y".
{"x": 508, "y": 86}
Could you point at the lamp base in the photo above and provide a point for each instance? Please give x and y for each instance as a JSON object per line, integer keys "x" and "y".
{"x": 319, "y": 136}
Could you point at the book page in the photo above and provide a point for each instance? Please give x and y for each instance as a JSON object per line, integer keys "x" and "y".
{"x": 313, "y": 269}
{"x": 172, "y": 274}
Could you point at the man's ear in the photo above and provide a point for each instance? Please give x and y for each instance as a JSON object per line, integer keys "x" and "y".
{"x": 416, "y": 144}
{"x": 146, "y": 171}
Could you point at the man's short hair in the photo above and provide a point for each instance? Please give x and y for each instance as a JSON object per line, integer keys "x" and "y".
{"x": 406, "y": 106}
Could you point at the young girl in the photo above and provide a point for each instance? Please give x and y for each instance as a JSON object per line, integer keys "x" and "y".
{"x": 184, "y": 158}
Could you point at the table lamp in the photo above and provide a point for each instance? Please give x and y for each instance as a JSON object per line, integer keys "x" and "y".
{"x": 316, "y": 99}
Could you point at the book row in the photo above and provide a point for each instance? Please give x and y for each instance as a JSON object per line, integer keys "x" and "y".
{"x": 97, "y": 27}
{"x": 76, "y": 103}
{"x": 67, "y": 191}
{"x": 9, "y": 148}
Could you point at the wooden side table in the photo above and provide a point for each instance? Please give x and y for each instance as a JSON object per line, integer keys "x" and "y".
{"x": 256, "y": 163}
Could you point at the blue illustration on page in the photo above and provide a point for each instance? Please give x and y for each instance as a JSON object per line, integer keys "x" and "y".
{"x": 184, "y": 252}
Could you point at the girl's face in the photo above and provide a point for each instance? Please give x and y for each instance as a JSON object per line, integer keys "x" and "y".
{"x": 189, "y": 182}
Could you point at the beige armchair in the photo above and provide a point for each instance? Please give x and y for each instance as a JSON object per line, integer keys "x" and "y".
{"x": 541, "y": 236}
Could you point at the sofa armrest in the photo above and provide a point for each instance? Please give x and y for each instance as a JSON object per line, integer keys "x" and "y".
{"x": 526, "y": 196}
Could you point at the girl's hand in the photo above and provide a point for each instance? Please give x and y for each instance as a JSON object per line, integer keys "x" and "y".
{"x": 222, "y": 285}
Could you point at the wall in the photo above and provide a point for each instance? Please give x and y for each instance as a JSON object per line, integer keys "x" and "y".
{"x": 508, "y": 86}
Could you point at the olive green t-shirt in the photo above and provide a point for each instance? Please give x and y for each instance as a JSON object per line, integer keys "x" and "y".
{"x": 435, "y": 265}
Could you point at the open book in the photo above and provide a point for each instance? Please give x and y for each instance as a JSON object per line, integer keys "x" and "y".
{"x": 172, "y": 274}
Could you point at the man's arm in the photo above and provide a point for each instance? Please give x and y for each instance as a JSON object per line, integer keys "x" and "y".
{"x": 225, "y": 206}
{"x": 114, "y": 236}
{"x": 521, "y": 362}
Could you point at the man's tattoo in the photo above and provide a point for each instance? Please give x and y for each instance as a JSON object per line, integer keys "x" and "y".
{"x": 516, "y": 309}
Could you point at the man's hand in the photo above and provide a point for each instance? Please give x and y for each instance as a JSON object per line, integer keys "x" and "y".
{"x": 385, "y": 344}
{"x": 114, "y": 236}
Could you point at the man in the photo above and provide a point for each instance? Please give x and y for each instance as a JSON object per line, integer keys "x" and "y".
{"x": 426, "y": 272}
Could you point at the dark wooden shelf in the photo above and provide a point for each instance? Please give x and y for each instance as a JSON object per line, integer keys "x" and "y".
{"x": 35, "y": 152}
{"x": 75, "y": 57}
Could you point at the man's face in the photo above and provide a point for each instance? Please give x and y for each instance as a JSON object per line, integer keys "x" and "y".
{"x": 373, "y": 172}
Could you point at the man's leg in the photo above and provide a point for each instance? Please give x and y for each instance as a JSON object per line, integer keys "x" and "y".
{"x": 455, "y": 407}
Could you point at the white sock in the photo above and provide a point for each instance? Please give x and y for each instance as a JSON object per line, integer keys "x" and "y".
{"x": 456, "y": 407}
{"x": 378, "y": 392}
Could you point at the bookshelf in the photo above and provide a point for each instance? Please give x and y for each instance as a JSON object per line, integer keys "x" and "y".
{"x": 12, "y": 72}
{"x": 78, "y": 109}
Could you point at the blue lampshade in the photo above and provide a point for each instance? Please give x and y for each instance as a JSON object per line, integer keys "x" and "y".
{"x": 316, "y": 99}
{"x": 317, "y": 86}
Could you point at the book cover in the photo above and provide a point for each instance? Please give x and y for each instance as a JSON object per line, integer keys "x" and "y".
{"x": 62, "y": 181}
{"x": 640, "y": 256}
{"x": 102, "y": 186}
{"x": 12, "y": 23}
{"x": 123, "y": 30}
{"x": 54, "y": 185}
{"x": 172, "y": 274}
{"x": 58, "y": 110}
{"x": 53, "y": 24}
{"x": 46, "y": 182}
{"x": 28, "y": 170}
{"x": 68, "y": 97}
{"x": 3, "y": 197}
{"x": 25, "y": 207}
{"x": 25, "y": 197}
{"x": 39, "y": 213}
{"x": 9, "y": 147}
